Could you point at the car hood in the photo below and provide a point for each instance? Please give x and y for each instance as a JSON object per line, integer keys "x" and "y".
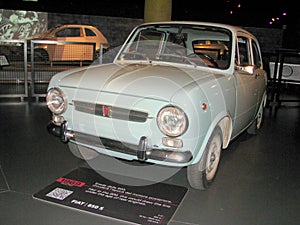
{"x": 146, "y": 80}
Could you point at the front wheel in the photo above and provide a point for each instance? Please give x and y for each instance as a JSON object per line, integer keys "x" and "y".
{"x": 202, "y": 174}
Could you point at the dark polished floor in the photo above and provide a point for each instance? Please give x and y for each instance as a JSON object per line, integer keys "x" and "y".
{"x": 258, "y": 182}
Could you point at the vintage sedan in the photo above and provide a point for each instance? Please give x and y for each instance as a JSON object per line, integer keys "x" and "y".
{"x": 165, "y": 99}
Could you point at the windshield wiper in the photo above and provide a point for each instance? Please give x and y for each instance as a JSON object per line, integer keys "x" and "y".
{"x": 134, "y": 56}
{"x": 175, "y": 58}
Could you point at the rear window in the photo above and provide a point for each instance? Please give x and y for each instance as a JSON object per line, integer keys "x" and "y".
{"x": 89, "y": 32}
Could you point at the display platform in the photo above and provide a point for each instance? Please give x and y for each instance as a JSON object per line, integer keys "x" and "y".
{"x": 87, "y": 190}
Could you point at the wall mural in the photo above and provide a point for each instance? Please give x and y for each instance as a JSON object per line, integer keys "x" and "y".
{"x": 21, "y": 25}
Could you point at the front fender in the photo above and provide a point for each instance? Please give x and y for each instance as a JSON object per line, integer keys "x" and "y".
{"x": 207, "y": 106}
{"x": 222, "y": 120}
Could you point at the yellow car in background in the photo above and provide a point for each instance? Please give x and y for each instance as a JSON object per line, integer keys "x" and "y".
{"x": 70, "y": 42}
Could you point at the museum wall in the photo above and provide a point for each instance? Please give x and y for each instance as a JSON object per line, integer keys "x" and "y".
{"x": 22, "y": 25}
{"x": 269, "y": 38}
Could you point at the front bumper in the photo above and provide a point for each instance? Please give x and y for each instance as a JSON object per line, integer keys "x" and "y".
{"x": 141, "y": 150}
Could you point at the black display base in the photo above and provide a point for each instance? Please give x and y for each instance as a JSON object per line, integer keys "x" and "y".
{"x": 86, "y": 190}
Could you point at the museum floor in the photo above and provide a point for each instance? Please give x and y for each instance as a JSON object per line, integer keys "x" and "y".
{"x": 258, "y": 182}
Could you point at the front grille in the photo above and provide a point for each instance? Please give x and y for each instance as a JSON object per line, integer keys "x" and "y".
{"x": 111, "y": 111}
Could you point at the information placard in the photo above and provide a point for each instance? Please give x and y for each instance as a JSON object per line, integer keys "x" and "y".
{"x": 85, "y": 189}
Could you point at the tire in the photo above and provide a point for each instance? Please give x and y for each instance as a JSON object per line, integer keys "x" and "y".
{"x": 41, "y": 55}
{"x": 256, "y": 125}
{"x": 82, "y": 152}
{"x": 202, "y": 174}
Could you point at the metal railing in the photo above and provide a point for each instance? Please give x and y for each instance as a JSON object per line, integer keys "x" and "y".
{"x": 284, "y": 70}
{"x": 26, "y": 67}
{"x": 51, "y": 57}
{"x": 13, "y": 72}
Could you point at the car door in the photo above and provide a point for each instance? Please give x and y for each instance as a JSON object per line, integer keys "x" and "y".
{"x": 67, "y": 52}
{"x": 246, "y": 84}
{"x": 260, "y": 73}
{"x": 94, "y": 36}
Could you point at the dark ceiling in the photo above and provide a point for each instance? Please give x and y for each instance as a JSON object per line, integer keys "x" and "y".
{"x": 251, "y": 13}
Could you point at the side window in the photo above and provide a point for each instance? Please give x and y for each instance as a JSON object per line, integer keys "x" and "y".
{"x": 69, "y": 32}
{"x": 256, "y": 55}
{"x": 62, "y": 33}
{"x": 89, "y": 33}
{"x": 243, "y": 52}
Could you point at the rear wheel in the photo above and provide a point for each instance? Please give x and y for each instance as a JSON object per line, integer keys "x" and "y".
{"x": 202, "y": 174}
{"x": 41, "y": 55}
{"x": 82, "y": 152}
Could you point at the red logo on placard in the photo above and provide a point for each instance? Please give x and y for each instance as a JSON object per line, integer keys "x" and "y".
{"x": 70, "y": 182}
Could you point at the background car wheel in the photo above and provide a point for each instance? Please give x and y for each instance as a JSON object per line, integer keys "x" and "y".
{"x": 258, "y": 121}
{"x": 41, "y": 55}
{"x": 82, "y": 152}
{"x": 202, "y": 174}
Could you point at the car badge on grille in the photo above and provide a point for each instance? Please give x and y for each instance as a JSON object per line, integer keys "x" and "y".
{"x": 106, "y": 111}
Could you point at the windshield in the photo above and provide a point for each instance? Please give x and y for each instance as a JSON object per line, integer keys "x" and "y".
{"x": 178, "y": 43}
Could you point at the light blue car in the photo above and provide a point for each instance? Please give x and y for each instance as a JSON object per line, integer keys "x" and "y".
{"x": 175, "y": 95}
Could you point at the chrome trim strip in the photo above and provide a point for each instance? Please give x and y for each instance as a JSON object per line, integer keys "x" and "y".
{"x": 113, "y": 111}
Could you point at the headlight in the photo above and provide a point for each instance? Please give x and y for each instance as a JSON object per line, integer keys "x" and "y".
{"x": 56, "y": 101}
{"x": 172, "y": 121}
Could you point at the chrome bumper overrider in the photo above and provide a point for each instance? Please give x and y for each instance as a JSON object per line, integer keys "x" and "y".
{"x": 141, "y": 150}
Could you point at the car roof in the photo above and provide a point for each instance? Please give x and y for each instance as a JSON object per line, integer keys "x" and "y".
{"x": 232, "y": 28}
{"x": 74, "y": 25}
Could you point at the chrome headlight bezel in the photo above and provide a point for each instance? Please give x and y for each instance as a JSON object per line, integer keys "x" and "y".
{"x": 172, "y": 121}
{"x": 56, "y": 100}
